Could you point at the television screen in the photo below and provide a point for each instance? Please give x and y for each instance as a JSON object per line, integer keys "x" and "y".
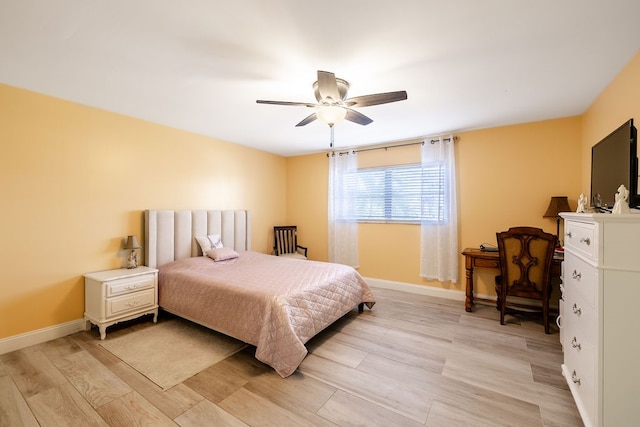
{"x": 614, "y": 162}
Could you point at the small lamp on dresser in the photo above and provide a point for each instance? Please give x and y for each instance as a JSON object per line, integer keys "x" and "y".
{"x": 132, "y": 244}
{"x": 557, "y": 204}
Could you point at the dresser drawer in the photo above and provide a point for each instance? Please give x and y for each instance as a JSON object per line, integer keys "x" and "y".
{"x": 580, "y": 278}
{"x": 580, "y": 321}
{"x": 130, "y": 302}
{"x": 130, "y": 284}
{"x": 582, "y": 237}
{"x": 581, "y": 375}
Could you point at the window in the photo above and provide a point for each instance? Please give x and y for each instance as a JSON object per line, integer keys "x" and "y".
{"x": 405, "y": 193}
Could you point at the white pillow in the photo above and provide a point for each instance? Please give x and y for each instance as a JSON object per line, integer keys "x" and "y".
{"x": 209, "y": 242}
{"x": 222, "y": 254}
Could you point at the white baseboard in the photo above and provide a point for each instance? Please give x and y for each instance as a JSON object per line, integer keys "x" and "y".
{"x": 27, "y": 339}
{"x": 440, "y": 292}
{"x": 422, "y": 289}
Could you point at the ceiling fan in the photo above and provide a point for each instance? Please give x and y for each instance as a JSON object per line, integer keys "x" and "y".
{"x": 332, "y": 105}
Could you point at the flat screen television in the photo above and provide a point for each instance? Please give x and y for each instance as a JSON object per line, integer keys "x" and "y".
{"x": 614, "y": 161}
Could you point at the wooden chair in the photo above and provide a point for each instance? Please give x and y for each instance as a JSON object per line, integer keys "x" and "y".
{"x": 285, "y": 242}
{"x": 526, "y": 256}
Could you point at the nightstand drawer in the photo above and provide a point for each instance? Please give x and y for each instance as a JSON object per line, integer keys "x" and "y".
{"x": 130, "y": 302}
{"x": 130, "y": 284}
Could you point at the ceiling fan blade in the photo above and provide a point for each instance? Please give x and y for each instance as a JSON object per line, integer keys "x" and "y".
{"x": 307, "y": 120}
{"x": 376, "y": 99}
{"x": 295, "y": 104}
{"x": 356, "y": 117}
{"x": 328, "y": 86}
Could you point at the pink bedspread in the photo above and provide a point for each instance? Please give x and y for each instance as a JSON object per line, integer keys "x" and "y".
{"x": 276, "y": 304}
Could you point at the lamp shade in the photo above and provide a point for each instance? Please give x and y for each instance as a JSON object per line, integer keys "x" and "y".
{"x": 556, "y": 205}
{"x": 132, "y": 243}
{"x": 331, "y": 114}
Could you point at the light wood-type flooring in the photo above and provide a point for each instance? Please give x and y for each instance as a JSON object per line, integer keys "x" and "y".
{"x": 413, "y": 360}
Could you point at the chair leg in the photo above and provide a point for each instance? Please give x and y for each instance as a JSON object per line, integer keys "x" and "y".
{"x": 503, "y": 308}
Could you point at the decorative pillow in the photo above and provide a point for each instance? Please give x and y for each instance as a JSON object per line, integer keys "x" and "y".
{"x": 209, "y": 242}
{"x": 222, "y": 254}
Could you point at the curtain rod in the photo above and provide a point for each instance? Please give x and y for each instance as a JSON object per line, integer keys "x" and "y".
{"x": 432, "y": 141}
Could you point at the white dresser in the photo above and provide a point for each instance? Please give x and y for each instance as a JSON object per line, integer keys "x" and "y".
{"x": 114, "y": 296}
{"x": 600, "y": 316}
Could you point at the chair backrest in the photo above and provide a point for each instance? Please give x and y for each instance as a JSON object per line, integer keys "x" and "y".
{"x": 285, "y": 239}
{"x": 526, "y": 256}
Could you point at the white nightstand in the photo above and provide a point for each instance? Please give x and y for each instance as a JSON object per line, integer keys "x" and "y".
{"x": 114, "y": 296}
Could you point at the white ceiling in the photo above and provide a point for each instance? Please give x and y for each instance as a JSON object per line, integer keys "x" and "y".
{"x": 200, "y": 65}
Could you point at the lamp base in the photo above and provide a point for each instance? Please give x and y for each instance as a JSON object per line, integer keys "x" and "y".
{"x": 133, "y": 260}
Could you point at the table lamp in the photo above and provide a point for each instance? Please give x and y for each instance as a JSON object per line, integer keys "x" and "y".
{"x": 556, "y": 205}
{"x": 132, "y": 244}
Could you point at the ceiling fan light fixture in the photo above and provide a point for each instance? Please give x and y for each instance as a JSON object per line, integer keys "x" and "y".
{"x": 331, "y": 114}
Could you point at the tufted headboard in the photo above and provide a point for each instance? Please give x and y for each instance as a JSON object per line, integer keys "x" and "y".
{"x": 170, "y": 234}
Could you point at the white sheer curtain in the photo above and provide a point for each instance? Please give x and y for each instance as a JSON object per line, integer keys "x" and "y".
{"x": 439, "y": 235}
{"x": 343, "y": 228}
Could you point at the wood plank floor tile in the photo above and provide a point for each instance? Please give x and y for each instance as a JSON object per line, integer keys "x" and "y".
{"x": 257, "y": 411}
{"x": 344, "y": 409}
{"x": 444, "y": 415}
{"x": 406, "y": 399}
{"x": 63, "y": 406}
{"x": 171, "y": 402}
{"x": 97, "y": 384}
{"x": 133, "y": 410}
{"x": 206, "y": 413}
{"x": 298, "y": 394}
{"x": 32, "y": 371}
{"x": 296, "y": 391}
{"x": 14, "y": 410}
{"x": 335, "y": 350}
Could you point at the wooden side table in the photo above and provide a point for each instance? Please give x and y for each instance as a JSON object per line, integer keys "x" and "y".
{"x": 114, "y": 296}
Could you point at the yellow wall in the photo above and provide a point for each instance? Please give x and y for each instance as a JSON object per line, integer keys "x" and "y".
{"x": 505, "y": 176}
{"x": 619, "y": 102}
{"x": 74, "y": 182}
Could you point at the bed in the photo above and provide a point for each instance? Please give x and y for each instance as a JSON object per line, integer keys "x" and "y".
{"x": 274, "y": 303}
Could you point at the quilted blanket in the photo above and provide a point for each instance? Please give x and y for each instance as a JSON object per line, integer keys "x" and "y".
{"x": 276, "y": 304}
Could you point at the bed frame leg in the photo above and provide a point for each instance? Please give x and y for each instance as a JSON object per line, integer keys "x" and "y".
{"x": 360, "y": 307}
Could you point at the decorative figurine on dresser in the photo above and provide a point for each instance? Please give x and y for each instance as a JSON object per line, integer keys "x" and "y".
{"x": 622, "y": 201}
{"x": 600, "y": 324}
{"x": 582, "y": 203}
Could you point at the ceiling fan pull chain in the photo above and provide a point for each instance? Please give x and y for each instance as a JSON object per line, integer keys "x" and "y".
{"x": 331, "y": 144}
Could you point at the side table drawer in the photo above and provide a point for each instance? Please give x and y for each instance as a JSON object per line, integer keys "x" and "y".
{"x": 130, "y": 284}
{"x": 130, "y": 302}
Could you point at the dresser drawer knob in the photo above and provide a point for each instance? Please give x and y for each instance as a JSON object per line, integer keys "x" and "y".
{"x": 585, "y": 240}
{"x": 569, "y": 234}
{"x": 576, "y": 344}
{"x": 577, "y": 311}
{"x": 574, "y": 378}
{"x": 132, "y": 304}
{"x": 576, "y": 275}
